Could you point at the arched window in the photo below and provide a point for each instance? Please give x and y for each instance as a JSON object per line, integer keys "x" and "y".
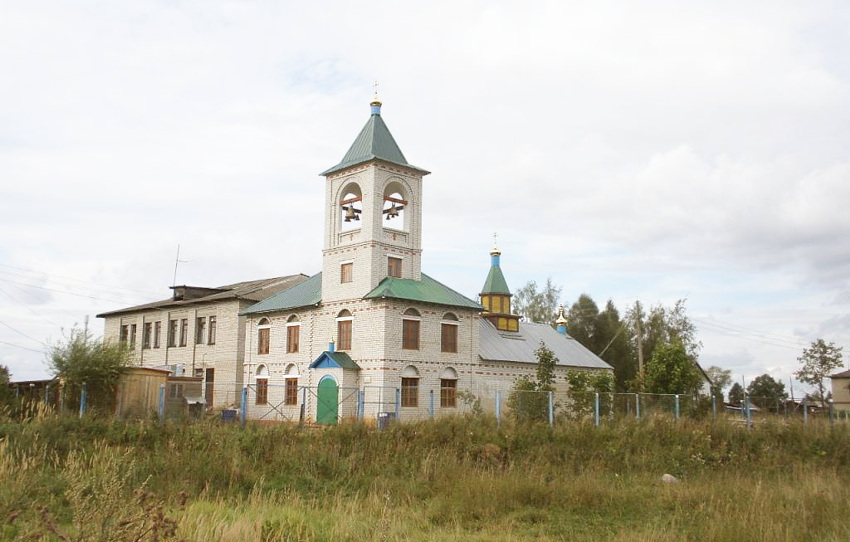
{"x": 410, "y": 387}
{"x": 290, "y": 397}
{"x": 394, "y": 206}
{"x": 293, "y": 332}
{"x": 343, "y": 330}
{"x": 262, "y": 387}
{"x": 448, "y": 388}
{"x": 351, "y": 207}
{"x": 448, "y": 333}
{"x": 263, "y": 336}
{"x": 410, "y": 329}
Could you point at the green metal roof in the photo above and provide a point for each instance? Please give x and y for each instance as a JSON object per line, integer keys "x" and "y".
{"x": 334, "y": 359}
{"x": 426, "y": 290}
{"x": 495, "y": 283}
{"x": 303, "y": 294}
{"x": 374, "y": 142}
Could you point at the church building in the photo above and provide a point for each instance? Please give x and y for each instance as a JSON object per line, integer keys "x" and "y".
{"x": 371, "y": 334}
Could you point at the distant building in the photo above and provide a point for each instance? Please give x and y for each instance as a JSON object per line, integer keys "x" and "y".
{"x": 841, "y": 390}
{"x": 198, "y": 332}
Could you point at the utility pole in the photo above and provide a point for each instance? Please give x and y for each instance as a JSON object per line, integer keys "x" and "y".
{"x": 638, "y": 318}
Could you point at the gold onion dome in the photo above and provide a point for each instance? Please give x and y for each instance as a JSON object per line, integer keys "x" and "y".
{"x": 562, "y": 320}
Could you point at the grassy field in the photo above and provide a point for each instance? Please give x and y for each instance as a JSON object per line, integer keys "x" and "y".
{"x": 458, "y": 479}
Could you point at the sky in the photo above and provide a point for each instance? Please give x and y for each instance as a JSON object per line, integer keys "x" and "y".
{"x": 651, "y": 151}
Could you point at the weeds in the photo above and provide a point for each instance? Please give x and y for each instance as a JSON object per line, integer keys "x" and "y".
{"x": 452, "y": 479}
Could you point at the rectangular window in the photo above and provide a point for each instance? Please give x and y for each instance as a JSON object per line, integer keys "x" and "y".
{"x": 291, "y": 396}
{"x": 343, "y": 332}
{"x": 448, "y": 393}
{"x": 263, "y": 340}
{"x": 409, "y": 392}
{"x": 184, "y": 331}
{"x": 410, "y": 334}
{"x": 172, "y": 333}
{"x": 346, "y": 272}
{"x": 124, "y": 332}
{"x": 393, "y": 267}
{"x": 262, "y": 391}
{"x": 200, "y": 330}
{"x": 157, "y": 333}
{"x": 212, "y": 330}
{"x": 146, "y": 335}
{"x": 292, "y": 333}
{"x": 133, "y": 336}
{"x": 448, "y": 340}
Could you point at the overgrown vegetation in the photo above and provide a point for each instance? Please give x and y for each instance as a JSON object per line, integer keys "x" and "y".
{"x": 96, "y": 364}
{"x": 453, "y": 479}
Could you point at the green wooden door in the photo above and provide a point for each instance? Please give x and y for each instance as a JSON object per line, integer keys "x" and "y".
{"x": 327, "y": 407}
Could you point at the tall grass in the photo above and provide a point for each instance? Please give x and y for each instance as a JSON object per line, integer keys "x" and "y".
{"x": 451, "y": 479}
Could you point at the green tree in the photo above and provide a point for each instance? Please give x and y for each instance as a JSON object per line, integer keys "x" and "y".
{"x": 766, "y": 392}
{"x": 736, "y": 394}
{"x": 7, "y": 396}
{"x": 671, "y": 370}
{"x": 615, "y": 342}
{"x": 583, "y": 386}
{"x": 582, "y": 323}
{"x": 98, "y": 364}
{"x": 819, "y": 360}
{"x": 538, "y": 306}
{"x": 720, "y": 380}
{"x": 529, "y": 399}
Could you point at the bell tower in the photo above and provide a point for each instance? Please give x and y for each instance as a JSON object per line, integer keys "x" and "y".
{"x": 373, "y": 215}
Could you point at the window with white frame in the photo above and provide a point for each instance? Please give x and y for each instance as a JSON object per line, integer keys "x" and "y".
{"x": 263, "y": 336}
{"x": 293, "y": 331}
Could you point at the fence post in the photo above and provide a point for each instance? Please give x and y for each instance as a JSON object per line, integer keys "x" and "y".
{"x": 805, "y": 411}
{"x": 637, "y": 406}
{"x": 397, "y": 403}
{"x": 749, "y": 414}
{"x": 831, "y": 414}
{"x": 714, "y": 407}
{"x": 360, "y": 405}
{"x": 83, "y": 393}
{"x": 47, "y": 394}
{"x": 243, "y": 408}
{"x": 551, "y": 409}
{"x": 498, "y": 406}
{"x": 161, "y": 404}
{"x": 431, "y": 403}
{"x": 676, "y": 406}
{"x": 596, "y": 409}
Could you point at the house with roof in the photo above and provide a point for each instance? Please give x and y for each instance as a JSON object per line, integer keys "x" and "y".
{"x": 371, "y": 334}
{"x": 197, "y": 332}
{"x": 841, "y": 390}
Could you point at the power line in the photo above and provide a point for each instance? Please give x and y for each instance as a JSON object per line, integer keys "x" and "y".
{"x": 19, "y": 332}
{"x": 99, "y": 285}
{"x": 63, "y": 291}
{"x": 24, "y": 305}
{"x": 22, "y": 347}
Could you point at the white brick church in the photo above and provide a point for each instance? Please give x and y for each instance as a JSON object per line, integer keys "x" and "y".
{"x": 370, "y": 334}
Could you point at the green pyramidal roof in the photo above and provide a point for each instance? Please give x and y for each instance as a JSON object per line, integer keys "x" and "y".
{"x": 495, "y": 283}
{"x": 374, "y": 142}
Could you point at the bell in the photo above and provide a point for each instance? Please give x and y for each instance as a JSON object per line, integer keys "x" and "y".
{"x": 392, "y": 212}
{"x": 350, "y": 214}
